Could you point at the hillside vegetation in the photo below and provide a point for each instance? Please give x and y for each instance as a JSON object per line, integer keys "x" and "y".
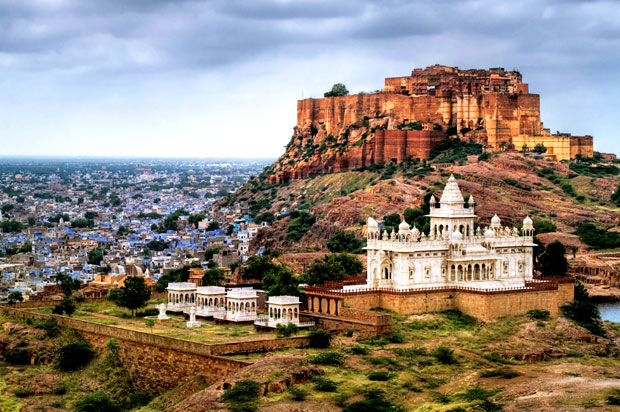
{"x": 510, "y": 184}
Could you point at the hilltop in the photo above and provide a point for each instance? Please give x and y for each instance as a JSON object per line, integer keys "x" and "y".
{"x": 411, "y": 117}
{"x": 511, "y": 184}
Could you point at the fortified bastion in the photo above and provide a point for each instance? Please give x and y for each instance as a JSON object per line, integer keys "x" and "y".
{"x": 412, "y": 115}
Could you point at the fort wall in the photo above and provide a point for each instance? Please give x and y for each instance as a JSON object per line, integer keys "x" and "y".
{"x": 484, "y": 305}
{"x": 490, "y": 107}
{"x": 159, "y": 363}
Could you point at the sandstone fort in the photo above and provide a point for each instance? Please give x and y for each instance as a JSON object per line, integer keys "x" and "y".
{"x": 413, "y": 114}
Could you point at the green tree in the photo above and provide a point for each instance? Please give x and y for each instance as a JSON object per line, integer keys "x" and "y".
{"x": 615, "y": 196}
{"x": 553, "y": 261}
{"x": 338, "y": 89}
{"x": 544, "y": 226}
{"x": 195, "y": 219}
{"x": 213, "y": 226}
{"x": 90, "y": 215}
{"x": 157, "y": 245}
{"x": 502, "y": 146}
{"x": 300, "y": 223}
{"x": 268, "y": 217}
{"x": 11, "y": 226}
{"x": 392, "y": 220}
{"x": 345, "y": 242}
{"x": 540, "y": 148}
{"x": 149, "y": 323}
{"x": 133, "y": 295}
{"x": 213, "y": 277}
{"x": 175, "y": 275}
{"x": 321, "y": 271}
{"x": 257, "y": 266}
{"x": 15, "y": 297}
{"x": 123, "y": 230}
{"x": 280, "y": 281}
{"x": 230, "y": 229}
{"x": 94, "y": 257}
{"x": 67, "y": 284}
{"x": 351, "y": 264}
{"x": 525, "y": 148}
{"x": 96, "y": 402}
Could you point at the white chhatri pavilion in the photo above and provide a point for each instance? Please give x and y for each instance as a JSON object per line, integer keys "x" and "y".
{"x": 453, "y": 254}
{"x": 181, "y": 296}
{"x": 240, "y": 306}
{"x": 282, "y": 310}
{"x": 210, "y": 300}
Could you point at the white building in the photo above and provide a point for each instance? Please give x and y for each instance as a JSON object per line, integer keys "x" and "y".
{"x": 453, "y": 254}
{"x": 210, "y": 300}
{"x": 240, "y": 306}
{"x": 181, "y": 296}
{"x": 282, "y": 310}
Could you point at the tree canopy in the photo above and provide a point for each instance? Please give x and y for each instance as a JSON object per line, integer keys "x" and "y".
{"x": 280, "y": 281}
{"x": 338, "y": 89}
{"x": 333, "y": 267}
{"x": 133, "y": 295}
{"x": 15, "y": 297}
{"x": 345, "y": 242}
{"x": 553, "y": 260}
{"x": 213, "y": 277}
{"x": 95, "y": 257}
{"x": 392, "y": 220}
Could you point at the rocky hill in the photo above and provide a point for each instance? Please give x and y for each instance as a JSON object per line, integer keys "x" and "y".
{"x": 510, "y": 184}
{"x": 412, "y": 115}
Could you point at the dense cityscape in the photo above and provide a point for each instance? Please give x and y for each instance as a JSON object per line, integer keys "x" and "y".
{"x": 98, "y": 220}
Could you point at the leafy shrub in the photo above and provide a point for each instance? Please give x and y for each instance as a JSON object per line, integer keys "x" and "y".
{"x": 139, "y": 399}
{"x": 328, "y": 358}
{"x": 284, "y": 331}
{"x": 410, "y": 352}
{"x": 60, "y": 389}
{"x": 345, "y": 242}
{"x": 584, "y": 312}
{"x": 324, "y": 385}
{"x": 614, "y": 398}
{"x": 23, "y": 392}
{"x": 379, "y": 376}
{"x": 242, "y": 391}
{"x": 505, "y": 373}
{"x": 73, "y": 356}
{"x": 96, "y": 402}
{"x": 297, "y": 394}
{"x": 359, "y": 350}
{"x": 243, "y": 396}
{"x": 299, "y": 224}
{"x": 320, "y": 339}
{"x": 494, "y": 357}
{"x": 459, "y": 320}
{"x": 598, "y": 238}
{"x": 375, "y": 402}
{"x": 538, "y": 314}
{"x": 454, "y": 150}
{"x": 17, "y": 356}
{"x": 50, "y": 326}
{"x": 444, "y": 355}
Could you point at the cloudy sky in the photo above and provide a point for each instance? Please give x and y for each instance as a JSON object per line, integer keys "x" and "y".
{"x": 221, "y": 78}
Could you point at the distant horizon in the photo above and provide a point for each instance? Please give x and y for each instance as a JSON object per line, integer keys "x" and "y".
{"x": 70, "y": 157}
{"x": 222, "y": 79}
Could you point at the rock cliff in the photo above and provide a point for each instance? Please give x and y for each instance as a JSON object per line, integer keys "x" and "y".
{"x": 411, "y": 116}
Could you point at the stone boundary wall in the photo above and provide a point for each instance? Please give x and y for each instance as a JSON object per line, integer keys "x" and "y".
{"x": 42, "y": 303}
{"x": 153, "y": 362}
{"x": 161, "y": 363}
{"x": 484, "y": 306}
{"x": 254, "y": 346}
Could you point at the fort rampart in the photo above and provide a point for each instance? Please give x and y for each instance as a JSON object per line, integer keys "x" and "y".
{"x": 159, "y": 363}
{"x": 484, "y": 305}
